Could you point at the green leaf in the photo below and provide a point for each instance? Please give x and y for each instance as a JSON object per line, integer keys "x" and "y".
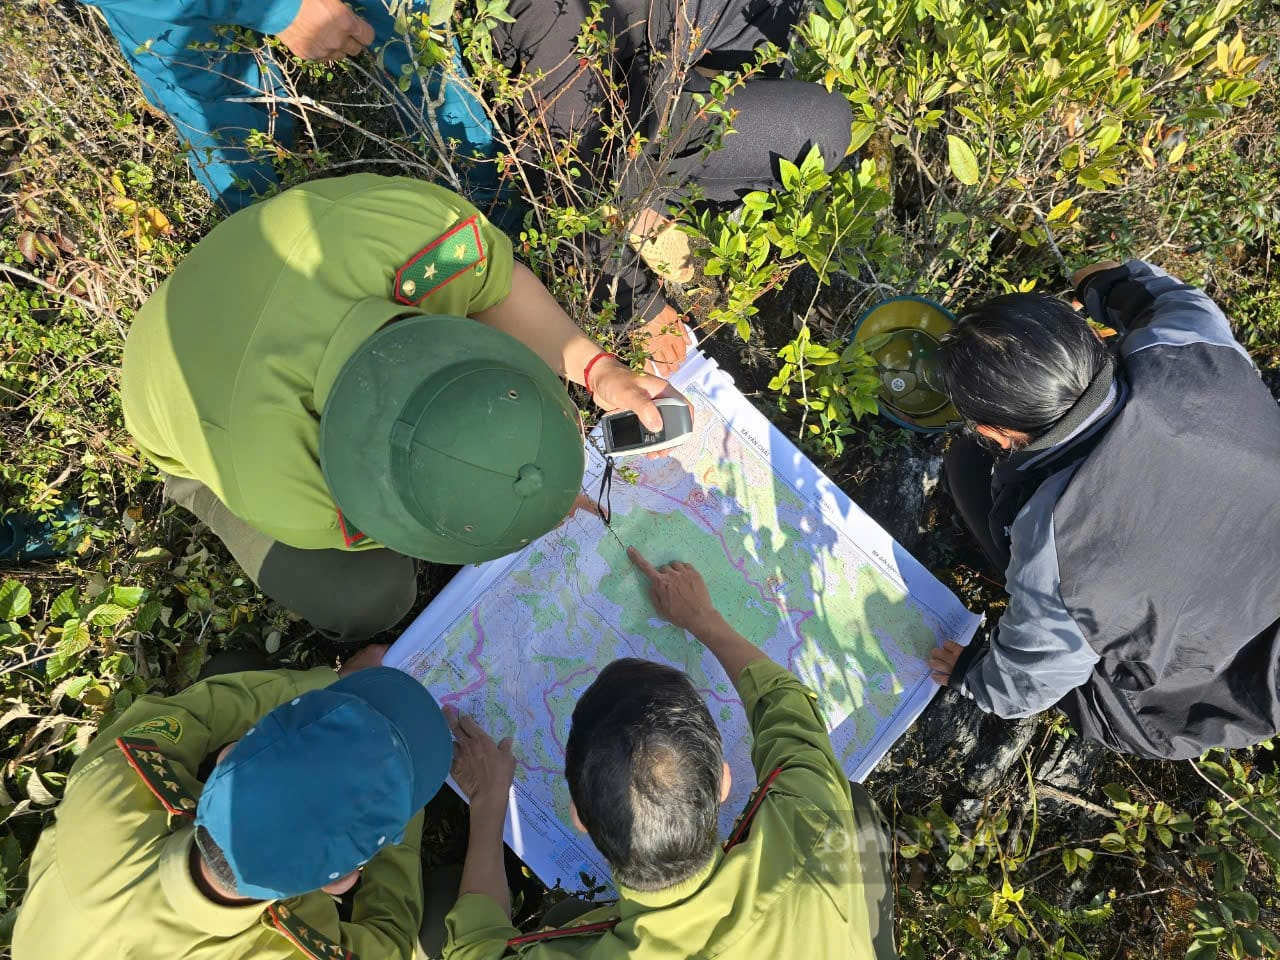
{"x": 441, "y": 11}
{"x": 127, "y": 597}
{"x": 789, "y": 173}
{"x": 862, "y": 132}
{"x": 65, "y": 604}
{"x": 15, "y": 600}
{"x": 1113, "y": 842}
{"x": 78, "y": 686}
{"x": 1202, "y": 950}
{"x": 1060, "y": 210}
{"x": 1230, "y": 873}
{"x": 147, "y": 615}
{"x": 1116, "y": 793}
{"x": 107, "y": 615}
{"x": 1242, "y": 904}
{"x": 963, "y": 163}
{"x": 66, "y": 653}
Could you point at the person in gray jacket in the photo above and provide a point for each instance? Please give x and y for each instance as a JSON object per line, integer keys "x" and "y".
{"x": 1131, "y": 493}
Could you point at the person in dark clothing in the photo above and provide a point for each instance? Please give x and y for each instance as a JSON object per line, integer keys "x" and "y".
{"x": 662, "y": 55}
{"x": 1131, "y": 494}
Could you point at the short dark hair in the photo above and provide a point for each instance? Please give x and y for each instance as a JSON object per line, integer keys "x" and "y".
{"x": 1019, "y": 362}
{"x": 644, "y": 765}
{"x": 216, "y": 860}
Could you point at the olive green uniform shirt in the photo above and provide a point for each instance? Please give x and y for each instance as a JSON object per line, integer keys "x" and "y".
{"x": 228, "y": 365}
{"x": 111, "y": 880}
{"x": 791, "y": 887}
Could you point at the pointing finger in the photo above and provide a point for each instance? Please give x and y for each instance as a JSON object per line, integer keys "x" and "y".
{"x": 451, "y": 718}
{"x": 642, "y": 564}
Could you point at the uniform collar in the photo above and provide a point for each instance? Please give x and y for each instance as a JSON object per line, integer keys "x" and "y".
{"x": 365, "y": 318}
{"x": 185, "y": 897}
{"x": 632, "y": 902}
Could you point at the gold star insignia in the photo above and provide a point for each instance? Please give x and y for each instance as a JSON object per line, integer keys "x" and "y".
{"x": 460, "y": 250}
{"x": 430, "y": 271}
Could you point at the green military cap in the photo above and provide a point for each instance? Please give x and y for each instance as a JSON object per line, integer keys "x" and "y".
{"x": 450, "y": 441}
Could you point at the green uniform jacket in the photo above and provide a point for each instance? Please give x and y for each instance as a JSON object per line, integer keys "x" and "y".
{"x": 227, "y": 367}
{"x": 111, "y": 877}
{"x": 788, "y": 885}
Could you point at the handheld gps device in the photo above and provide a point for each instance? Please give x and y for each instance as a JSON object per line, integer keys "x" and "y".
{"x": 624, "y": 434}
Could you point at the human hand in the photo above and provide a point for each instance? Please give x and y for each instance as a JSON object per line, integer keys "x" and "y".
{"x": 679, "y": 594}
{"x": 665, "y": 340}
{"x": 615, "y": 386}
{"x": 365, "y": 657}
{"x": 943, "y": 660}
{"x": 326, "y": 30}
{"x": 1080, "y": 275}
{"x": 482, "y": 769}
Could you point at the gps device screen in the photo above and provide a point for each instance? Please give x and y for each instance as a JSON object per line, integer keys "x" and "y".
{"x": 626, "y": 431}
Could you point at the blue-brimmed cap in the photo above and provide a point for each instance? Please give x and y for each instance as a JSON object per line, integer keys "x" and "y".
{"x": 322, "y": 783}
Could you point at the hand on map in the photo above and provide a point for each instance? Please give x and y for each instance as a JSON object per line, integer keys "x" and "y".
{"x": 943, "y": 661}
{"x": 665, "y": 340}
{"x": 615, "y": 386}
{"x": 679, "y": 593}
{"x": 370, "y": 656}
{"x": 326, "y": 30}
{"x": 482, "y": 769}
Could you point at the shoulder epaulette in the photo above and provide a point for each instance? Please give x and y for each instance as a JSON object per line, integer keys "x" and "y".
{"x": 743, "y": 825}
{"x": 558, "y": 933}
{"x": 441, "y": 262}
{"x": 312, "y": 943}
{"x": 158, "y": 773}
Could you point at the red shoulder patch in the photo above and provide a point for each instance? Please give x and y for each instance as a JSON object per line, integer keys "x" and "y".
{"x": 159, "y": 775}
{"x": 350, "y": 535}
{"x": 603, "y": 926}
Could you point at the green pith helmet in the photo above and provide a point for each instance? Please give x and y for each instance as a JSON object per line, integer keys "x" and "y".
{"x": 447, "y": 440}
{"x": 902, "y": 335}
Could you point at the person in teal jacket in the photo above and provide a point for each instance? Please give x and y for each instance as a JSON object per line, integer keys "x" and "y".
{"x": 205, "y": 91}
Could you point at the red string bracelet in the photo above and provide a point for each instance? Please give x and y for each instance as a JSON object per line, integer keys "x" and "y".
{"x": 586, "y": 373}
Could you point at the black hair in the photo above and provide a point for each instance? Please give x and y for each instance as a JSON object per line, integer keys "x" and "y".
{"x": 644, "y": 765}
{"x": 215, "y": 860}
{"x": 1019, "y": 362}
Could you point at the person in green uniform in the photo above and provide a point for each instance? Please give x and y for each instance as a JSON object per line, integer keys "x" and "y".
{"x": 317, "y": 791}
{"x": 358, "y": 363}
{"x": 805, "y": 870}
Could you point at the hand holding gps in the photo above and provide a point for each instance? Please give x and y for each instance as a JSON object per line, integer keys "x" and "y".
{"x": 625, "y": 435}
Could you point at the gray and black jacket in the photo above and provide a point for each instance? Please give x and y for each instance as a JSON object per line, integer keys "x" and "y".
{"x": 1144, "y": 539}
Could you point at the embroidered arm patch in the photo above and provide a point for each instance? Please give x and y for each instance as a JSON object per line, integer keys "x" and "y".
{"x": 311, "y": 943}
{"x": 158, "y": 773}
{"x": 351, "y": 535}
{"x": 441, "y": 262}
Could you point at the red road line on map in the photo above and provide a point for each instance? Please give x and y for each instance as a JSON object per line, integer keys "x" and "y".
{"x": 473, "y": 658}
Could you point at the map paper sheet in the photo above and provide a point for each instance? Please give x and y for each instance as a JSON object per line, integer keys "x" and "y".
{"x": 792, "y": 563}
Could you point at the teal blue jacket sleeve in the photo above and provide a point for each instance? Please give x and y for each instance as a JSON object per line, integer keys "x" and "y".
{"x": 265, "y": 16}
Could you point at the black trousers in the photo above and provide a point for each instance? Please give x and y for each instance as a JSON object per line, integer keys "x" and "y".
{"x": 646, "y": 84}
{"x": 966, "y": 468}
